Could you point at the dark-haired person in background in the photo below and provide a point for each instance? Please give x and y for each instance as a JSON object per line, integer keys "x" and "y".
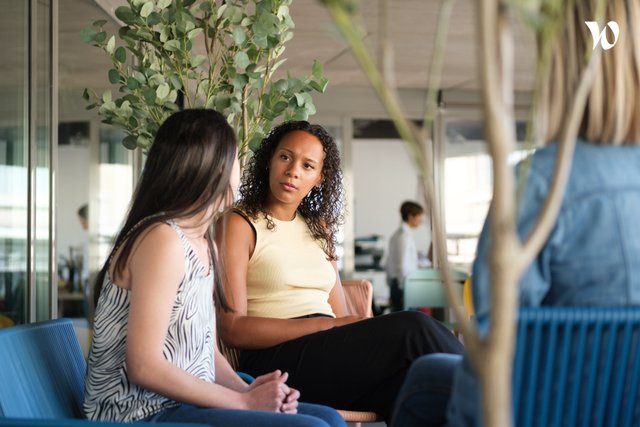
{"x": 402, "y": 257}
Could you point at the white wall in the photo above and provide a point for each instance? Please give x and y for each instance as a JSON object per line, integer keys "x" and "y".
{"x": 384, "y": 177}
{"x": 72, "y": 190}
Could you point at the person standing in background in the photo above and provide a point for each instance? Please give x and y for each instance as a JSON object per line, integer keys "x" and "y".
{"x": 402, "y": 258}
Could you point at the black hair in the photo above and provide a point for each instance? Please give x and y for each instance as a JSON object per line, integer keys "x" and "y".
{"x": 188, "y": 169}
{"x": 410, "y": 208}
{"x": 321, "y": 208}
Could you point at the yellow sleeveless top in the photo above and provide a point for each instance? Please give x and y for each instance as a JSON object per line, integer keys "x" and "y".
{"x": 289, "y": 274}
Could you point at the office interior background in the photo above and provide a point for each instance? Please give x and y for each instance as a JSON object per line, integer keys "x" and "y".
{"x": 55, "y": 156}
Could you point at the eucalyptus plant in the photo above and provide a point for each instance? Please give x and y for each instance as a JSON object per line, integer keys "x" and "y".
{"x": 171, "y": 54}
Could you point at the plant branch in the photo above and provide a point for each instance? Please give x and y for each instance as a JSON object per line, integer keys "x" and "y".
{"x": 406, "y": 129}
{"x": 244, "y": 145}
{"x": 466, "y": 327}
{"x": 493, "y": 361}
{"x": 553, "y": 202}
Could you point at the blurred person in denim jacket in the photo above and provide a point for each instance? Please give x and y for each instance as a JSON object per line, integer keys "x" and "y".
{"x": 592, "y": 255}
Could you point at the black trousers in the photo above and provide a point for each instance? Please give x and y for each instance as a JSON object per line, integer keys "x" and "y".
{"x": 360, "y": 366}
{"x": 396, "y": 295}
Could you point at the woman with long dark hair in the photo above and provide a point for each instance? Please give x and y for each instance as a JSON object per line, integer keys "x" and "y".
{"x": 153, "y": 355}
{"x": 282, "y": 282}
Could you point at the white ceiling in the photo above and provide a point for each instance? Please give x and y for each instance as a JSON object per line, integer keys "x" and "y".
{"x": 412, "y": 27}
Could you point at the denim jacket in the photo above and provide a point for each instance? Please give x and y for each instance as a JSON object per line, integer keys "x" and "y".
{"x": 591, "y": 257}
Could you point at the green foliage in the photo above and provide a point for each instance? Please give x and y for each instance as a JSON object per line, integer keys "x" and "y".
{"x": 218, "y": 55}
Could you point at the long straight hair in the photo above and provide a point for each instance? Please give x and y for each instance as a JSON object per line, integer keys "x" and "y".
{"x": 612, "y": 112}
{"x": 187, "y": 170}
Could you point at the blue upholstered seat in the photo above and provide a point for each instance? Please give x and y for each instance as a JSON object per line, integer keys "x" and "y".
{"x": 42, "y": 371}
{"x": 577, "y": 366}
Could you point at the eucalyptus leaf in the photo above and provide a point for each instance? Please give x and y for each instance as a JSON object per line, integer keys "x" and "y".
{"x": 154, "y": 18}
{"x": 280, "y": 85}
{"x": 163, "y": 4}
{"x": 120, "y": 55}
{"x": 241, "y": 60}
{"x": 125, "y": 14}
{"x": 133, "y": 83}
{"x": 144, "y": 34}
{"x": 222, "y": 102}
{"x": 165, "y": 33}
{"x": 255, "y": 142}
{"x": 287, "y": 36}
{"x": 239, "y": 35}
{"x": 280, "y": 107}
{"x": 126, "y": 110}
{"x": 320, "y": 86}
{"x": 198, "y": 60}
{"x": 87, "y": 34}
{"x": 205, "y": 6}
{"x": 149, "y": 96}
{"x": 111, "y": 44}
{"x": 317, "y": 69}
{"x": 172, "y": 45}
{"x": 221, "y": 10}
{"x": 114, "y": 76}
{"x": 233, "y": 14}
{"x": 100, "y": 37}
{"x": 146, "y": 9}
{"x": 130, "y": 142}
{"x": 174, "y": 79}
{"x": 310, "y": 108}
{"x": 143, "y": 142}
{"x": 194, "y": 33}
{"x": 301, "y": 114}
{"x": 162, "y": 92}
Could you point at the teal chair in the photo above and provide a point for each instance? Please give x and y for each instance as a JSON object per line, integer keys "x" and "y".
{"x": 577, "y": 366}
{"x": 425, "y": 288}
{"x": 42, "y": 372}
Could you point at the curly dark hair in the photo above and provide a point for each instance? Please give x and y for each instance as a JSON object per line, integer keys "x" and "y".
{"x": 321, "y": 209}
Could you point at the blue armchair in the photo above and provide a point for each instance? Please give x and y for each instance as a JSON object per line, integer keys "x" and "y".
{"x": 577, "y": 366}
{"x": 42, "y": 371}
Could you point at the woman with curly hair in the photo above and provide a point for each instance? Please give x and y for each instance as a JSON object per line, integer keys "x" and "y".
{"x": 289, "y": 311}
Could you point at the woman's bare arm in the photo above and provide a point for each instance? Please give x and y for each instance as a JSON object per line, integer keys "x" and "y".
{"x": 154, "y": 272}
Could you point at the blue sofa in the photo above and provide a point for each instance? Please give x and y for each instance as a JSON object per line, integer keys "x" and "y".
{"x": 42, "y": 372}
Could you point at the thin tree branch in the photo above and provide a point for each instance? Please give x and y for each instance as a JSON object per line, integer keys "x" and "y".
{"x": 553, "y": 202}
{"x": 467, "y": 328}
{"x": 406, "y": 129}
{"x": 494, "y": 358}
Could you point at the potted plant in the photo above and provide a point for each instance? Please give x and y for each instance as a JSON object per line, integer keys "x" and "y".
{"x": 171, "y": 54}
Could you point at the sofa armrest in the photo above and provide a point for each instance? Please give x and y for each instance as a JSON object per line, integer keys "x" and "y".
{"x": 34, "y": 422}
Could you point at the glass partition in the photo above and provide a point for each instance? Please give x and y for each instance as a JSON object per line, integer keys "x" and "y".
{"x": 26, "y": 146}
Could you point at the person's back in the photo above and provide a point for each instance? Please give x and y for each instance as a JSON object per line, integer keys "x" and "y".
{"x": 106, "y": 399}
{"x": 589, "y": 257}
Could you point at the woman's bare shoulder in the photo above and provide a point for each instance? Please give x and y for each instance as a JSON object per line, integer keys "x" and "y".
{"x": 235, "y": 221}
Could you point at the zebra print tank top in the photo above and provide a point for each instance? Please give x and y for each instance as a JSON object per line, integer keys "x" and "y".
{"x": 190, "y": 344}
